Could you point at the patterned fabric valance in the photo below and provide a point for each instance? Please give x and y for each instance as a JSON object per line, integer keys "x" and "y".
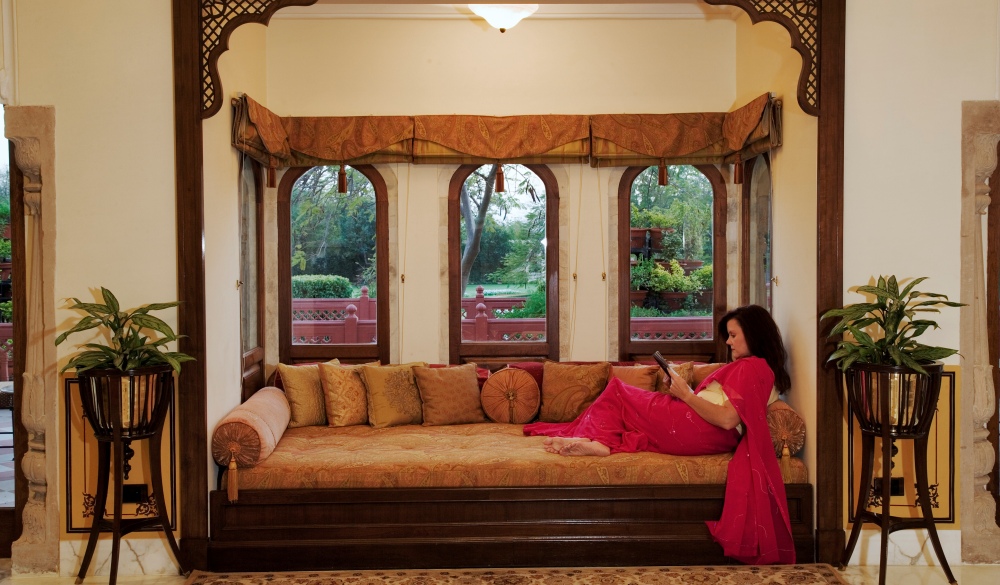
{"x": 511, "y": 139}
{"x": 276, "y": 141}
{"x": 602, "y": 140}
{"x": 647, "y": 139}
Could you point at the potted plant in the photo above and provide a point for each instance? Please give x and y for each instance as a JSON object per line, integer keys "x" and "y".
{"x": 672, "y": 285}
{"x": 130, "y": 376}
{"x": 640, "y": 277}
{"x": 883, "y": 363}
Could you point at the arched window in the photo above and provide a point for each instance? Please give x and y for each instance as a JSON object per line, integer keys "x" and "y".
{"x": 503, "y": 256}
{"x": 672, "y": 259}
{"x": 333, "y": 264}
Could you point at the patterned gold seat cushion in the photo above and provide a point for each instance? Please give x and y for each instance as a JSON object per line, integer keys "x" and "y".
{"x": 469, "y": 455}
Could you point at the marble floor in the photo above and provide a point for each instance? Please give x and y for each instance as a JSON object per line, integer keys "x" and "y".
{"x": 908, "y": 575}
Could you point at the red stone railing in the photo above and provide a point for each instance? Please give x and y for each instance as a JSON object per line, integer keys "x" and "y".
{"x": 337, "y": 321}
{"x": 671, "y": 328}
{"x": 6, "y": 352}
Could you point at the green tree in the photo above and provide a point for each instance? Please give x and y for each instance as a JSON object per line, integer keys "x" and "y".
{"x": 685, "y": 204}
{"x": 333, "y": 233}
{"x": 482, "y": 209}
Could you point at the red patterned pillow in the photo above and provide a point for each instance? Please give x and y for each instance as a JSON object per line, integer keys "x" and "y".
{"x": 511, "y": 396}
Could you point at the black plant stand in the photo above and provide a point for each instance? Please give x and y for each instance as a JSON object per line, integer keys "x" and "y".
{"x": 893, "y": 403}
{"x": 123, "y": 407}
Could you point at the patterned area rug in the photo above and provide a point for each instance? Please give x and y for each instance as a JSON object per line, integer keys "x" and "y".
{"x": 737, "y": 575}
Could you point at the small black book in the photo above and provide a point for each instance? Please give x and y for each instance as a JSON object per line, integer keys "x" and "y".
{"x": 666, "y": 367}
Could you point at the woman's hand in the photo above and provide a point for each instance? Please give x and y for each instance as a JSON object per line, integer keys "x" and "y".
{"x": 679, "y": 388}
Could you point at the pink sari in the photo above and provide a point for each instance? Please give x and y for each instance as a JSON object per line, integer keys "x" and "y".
{"x": 754, "y": 527}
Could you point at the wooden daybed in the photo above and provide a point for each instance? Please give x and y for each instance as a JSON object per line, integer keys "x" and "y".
{"x": 473, "y": 495}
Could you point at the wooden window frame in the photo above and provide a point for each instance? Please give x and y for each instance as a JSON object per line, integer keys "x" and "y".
{"x": 253, "y": 358}
{"x": 708, "y": 350}
{"x": 288, "y": 352}
{"x": 465, "y": 351}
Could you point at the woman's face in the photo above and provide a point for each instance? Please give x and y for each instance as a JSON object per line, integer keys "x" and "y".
{"x": 736, "y": 341}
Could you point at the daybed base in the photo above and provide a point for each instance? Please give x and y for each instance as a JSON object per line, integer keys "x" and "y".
{"x": 313, "y": 529}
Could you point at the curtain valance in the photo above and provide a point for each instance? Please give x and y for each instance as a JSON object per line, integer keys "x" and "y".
{"x": 717, "y": 137}
{"x": 601, "y": 140}
{"x": 276, "y": 141}
{"x": 512, "y": 139}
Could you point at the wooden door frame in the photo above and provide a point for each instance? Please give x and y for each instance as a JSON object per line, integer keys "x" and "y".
{"x": 200, "y": 37}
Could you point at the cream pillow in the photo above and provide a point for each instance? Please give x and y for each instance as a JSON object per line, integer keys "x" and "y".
{"x": 304, "y": 392}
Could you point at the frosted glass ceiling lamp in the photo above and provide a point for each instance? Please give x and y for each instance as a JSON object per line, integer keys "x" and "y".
{"x": 503, "y": 16}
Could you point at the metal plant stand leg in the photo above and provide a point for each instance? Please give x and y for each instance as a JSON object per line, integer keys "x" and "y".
{"x": 923, "y": 493}
{"x": 145, "y": 411}
{"x": 867, "y": 472}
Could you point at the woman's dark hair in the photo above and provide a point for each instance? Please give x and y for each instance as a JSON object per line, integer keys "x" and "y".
{"x": 763, "y": 340}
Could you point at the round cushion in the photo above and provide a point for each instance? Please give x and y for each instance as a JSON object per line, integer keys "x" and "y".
{"x": 250, "y": 431}
{"x": 511, "y": 396}
{"x": 787, "y": 428}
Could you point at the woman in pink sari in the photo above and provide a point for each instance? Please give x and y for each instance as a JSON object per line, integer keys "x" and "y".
{"x": 727, "y": 411}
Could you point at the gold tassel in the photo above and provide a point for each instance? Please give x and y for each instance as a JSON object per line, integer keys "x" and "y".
{"x": 738, "y": 171}
{"x": 500, "y": 186}
{"x": 664, "y": 177}
{"x": 785, "y": 463}
{"x": 342, "y": 179}
{"x": 272, "y": 180}
{"x": 233, "y": 480}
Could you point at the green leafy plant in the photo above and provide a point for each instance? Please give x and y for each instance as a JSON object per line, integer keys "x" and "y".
{"x": 321, "y": 286}
{"x": 704, "y": 277}
{"x": 641, "y": 274}
{"x": 533, "y": 307}
{"x": 5, "y": 248}
{"x": 129, "y": 348}
{"x": 645, "y": 312}
{"x": 673, "y": 280}
{"x": 884, "y": 331}
{"x": 7, "y": 312}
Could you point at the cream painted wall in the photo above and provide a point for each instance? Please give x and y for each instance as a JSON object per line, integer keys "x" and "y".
{"x": 556, "y": 72}
{"x": 765, "y": 63}
{"x": 460, "y": 67}
{"x": 113, "y": 96}
{"x": 909, "y": 66}
{"x": 242, "y": 70}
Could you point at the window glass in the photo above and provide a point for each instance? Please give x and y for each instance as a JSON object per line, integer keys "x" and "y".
{"x": 671, "y": 255}
{"x": 503, "y": 255}
{"x": 249, "y": 326}
{"x": 333, "y": 260}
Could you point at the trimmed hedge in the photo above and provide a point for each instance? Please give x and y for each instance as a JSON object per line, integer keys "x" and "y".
{"x": 321, "y": 286}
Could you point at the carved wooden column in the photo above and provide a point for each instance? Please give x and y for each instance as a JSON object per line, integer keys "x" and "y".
{"x": 980, "y": 533}
{"x": 32, "y": 130}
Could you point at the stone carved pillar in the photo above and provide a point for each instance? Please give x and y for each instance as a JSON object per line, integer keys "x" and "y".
{"x": 980, "y": 533}
{"x": 32, "y": 130}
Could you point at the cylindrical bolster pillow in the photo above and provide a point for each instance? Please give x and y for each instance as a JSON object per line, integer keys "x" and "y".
{"x": 250, "y": 432}
{"x": 787, "y": 428}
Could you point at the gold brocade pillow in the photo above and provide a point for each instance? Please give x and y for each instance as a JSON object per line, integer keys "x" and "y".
{"x": 685, "y": 371}
{"x": 567, "y": 389}
{"x": 393, "y": 397}
{"x": 304, "y": 392}
{"x": 345, "y": 396}
{"x": 701, "y": 371}
{"x": 450, "y": 395}
{"x": 644, "y": 377}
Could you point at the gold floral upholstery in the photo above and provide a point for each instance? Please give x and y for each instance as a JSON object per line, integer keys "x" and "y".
{"x": 470, "y": 455}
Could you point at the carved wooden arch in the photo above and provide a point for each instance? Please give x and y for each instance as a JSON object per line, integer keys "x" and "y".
{"x": 201, "y": 32}
{"x": 219, "y": 18}
{"x": 801, "y": 19}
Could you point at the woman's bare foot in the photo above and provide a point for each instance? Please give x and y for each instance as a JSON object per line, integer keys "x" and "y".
{"x": 575, "y": 447}
{"x": 557, "y": 444}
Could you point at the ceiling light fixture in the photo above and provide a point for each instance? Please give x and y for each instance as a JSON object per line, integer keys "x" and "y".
{"x": 503, "y": 16}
